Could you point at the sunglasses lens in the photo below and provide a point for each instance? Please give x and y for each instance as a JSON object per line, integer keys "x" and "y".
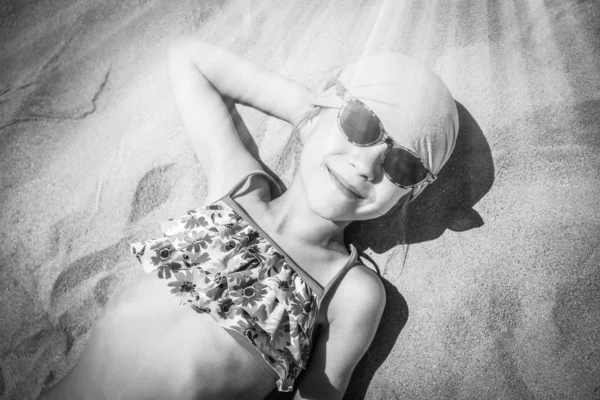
{"x": 359, "y": 125}
{"x": 404, "y": 168}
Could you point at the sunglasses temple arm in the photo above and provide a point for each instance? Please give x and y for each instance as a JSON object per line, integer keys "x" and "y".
{"x": 327, "y": 102}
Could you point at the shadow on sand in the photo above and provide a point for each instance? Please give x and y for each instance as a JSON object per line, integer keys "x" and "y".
{"x": 448, "y": 204}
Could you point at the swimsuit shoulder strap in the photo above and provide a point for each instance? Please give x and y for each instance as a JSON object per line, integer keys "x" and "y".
{"x": 242, "y": 181}
{"x": 352, "y": 261}
{"x": 228, "y": 199}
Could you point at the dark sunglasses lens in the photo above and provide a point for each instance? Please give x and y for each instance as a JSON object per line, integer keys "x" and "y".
{"x": 404, "y": 168}
{"x": 359, "y": 124}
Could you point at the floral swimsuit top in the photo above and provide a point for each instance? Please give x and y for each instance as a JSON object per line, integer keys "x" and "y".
{"x": 217, "y": 260}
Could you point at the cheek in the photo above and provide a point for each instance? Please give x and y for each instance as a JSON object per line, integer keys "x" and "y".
{"x": 309, "y": 160}
{"x": 321, "y": 194}
{"x": 393, "y": 192}
{"x": 386, "y": 196}
{"x": 390, "y": 194}
{"x": 318, "y": 147}
{"x": 311, "y": 165}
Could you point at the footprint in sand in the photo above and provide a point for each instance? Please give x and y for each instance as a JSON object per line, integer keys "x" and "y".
{"x": 98, "y": 263}
{"x": 152, "y": 191}
{"x": 102, "y": 266}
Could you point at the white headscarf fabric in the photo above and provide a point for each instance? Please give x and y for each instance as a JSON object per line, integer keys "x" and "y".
{"x": 405, "y": 93}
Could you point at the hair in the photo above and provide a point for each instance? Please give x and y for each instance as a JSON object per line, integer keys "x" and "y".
{"x": 308, "y": 115}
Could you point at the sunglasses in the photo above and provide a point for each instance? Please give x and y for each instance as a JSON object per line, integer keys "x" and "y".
{"x": 359, "y": 124}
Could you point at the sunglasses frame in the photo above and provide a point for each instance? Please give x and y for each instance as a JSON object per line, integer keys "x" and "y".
{"x": 384, "y": 137}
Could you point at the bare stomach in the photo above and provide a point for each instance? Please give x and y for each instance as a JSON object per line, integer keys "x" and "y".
{"x": 147, "y": 346}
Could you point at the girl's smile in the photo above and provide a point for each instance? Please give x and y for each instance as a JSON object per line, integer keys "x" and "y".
{"x": 344, "y": 186}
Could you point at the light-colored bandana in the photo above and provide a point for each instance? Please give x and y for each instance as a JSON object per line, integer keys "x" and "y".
{"x": 414, "y": 105}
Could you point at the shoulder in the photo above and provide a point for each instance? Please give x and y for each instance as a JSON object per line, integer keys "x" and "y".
{"x": 360, "y": 293}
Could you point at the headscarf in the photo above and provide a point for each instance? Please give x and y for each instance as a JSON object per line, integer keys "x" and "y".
{"x": 404, "y": 92}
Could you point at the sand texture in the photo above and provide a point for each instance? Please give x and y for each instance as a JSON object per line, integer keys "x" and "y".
{"x": 498, "y": 294}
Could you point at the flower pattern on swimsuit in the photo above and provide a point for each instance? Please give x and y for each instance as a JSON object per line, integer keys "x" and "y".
{"x": 217, "y": 263}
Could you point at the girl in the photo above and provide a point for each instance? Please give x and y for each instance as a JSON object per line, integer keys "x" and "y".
{"x": 267, "y": 294}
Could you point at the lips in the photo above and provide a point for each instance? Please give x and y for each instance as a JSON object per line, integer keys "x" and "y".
{"x": 346, "y": 188}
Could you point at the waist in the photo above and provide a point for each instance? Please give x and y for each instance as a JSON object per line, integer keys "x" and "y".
{"x": 253, "y": 353}
{"x": 148, "y": 334}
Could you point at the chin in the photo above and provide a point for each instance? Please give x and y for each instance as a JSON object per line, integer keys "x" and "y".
{"x": 333, "y": 207}
{"x": 328, "y": 209}
{"x": 326, "y": 201}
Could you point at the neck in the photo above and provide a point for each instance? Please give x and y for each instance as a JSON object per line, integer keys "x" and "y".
{"x": 291, "y": 215}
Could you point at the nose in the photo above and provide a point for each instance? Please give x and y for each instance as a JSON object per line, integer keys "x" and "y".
{"x": 367, "y": 160}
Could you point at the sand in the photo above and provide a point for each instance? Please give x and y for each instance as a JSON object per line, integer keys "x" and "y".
{"x": 496, "y": 296}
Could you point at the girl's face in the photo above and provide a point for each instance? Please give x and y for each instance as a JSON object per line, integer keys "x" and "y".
{"x": 345, "y": 182}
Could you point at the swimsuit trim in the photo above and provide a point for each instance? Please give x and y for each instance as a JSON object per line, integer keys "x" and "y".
{"x": 240, "y": 210}
{"x": 255, "y": 353}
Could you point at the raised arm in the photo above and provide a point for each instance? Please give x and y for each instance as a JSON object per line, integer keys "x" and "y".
{"x": 202, "y": 76}
{"x": 358, "y": 304}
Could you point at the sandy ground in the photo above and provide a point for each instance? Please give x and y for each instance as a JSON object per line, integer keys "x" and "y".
{"x": 496, "y": 297}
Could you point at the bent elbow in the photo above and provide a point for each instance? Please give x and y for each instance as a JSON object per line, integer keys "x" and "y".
{"x": 185, "y": 47}
{"x": 178, "y": 47}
